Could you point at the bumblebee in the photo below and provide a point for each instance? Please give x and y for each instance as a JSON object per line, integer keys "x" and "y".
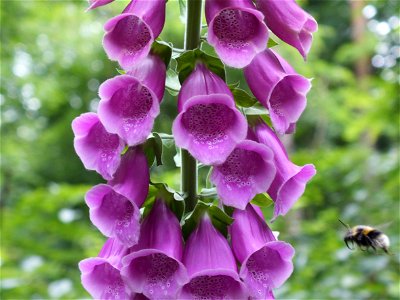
{"x": 366, "y": 237}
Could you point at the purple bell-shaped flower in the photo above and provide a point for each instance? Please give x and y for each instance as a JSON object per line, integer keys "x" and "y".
{"x": 130, "y": 103}
{"x": 155, "y": 268}
{"x": 97, "y": 149}
{"x": 211, "y": 266}
{"x": 208, "y": 124}
{"x": 236, "y": 30}
{"x": 266, "y": 262}
{"x": 129, "y": 36}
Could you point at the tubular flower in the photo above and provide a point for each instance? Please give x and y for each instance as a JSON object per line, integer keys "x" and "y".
{"x": 266, "y": 262}
{"x": 211, "y": 266}
{"x": 129, "y": 35}
{"x": 155, "y": 269}
{"x": 290, "y": 180}
{"x": 101, "y": 275}
{"x": 208, "y": 125}
{"x": 97, "y": 149}
{"x": 113, "y": 214}
{"x": 97, "y": 3}
{"x": 247, "y": 171}
{"x": 279, "y": 88}
{"x": 132, "y": 178}
{"x": 130, "y": 103}
{"x": 289, "y": 22}
{"x": 236, "y": 30}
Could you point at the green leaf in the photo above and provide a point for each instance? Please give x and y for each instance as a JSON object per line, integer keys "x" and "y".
{"x": 255, "y": 110}
{"x": 182, "y": 11}
{"x": 153, "y": 149}
{"x": 173, "y": 200}
{"x": 163, "y": 50}
{"x": 220, "y": 219}
{"x": 188, "y": 60}
{"x": 242, "y": 98}
{"x": 120, "y": 71}
{"x": 262, "y": 200}
{"x": 271, "y": 43}
{"x": 172, "y": 83}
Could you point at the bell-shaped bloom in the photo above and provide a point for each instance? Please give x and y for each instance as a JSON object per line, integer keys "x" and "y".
{"x": 113, "y": 214}
{"x": 211, "y": 266}
{"x": 129, "y": 36}
{"x": 289, "y": 22}
{"x": 279, "y": 88}
{"x": 101, "y": 275}
{"x": 96, "y": 3}
{"x": 97, "y": 149}
{"x": 132, "y": 178}
{"x": 129, "y": 105}
{"x": 208, "y": 125}
{"x": 155, "y": 269}
{"x": 266, "y": 262}
{"x": 236, "y": 30}
{"x": 247, "y": 171}
{"x": 290, "y": 180}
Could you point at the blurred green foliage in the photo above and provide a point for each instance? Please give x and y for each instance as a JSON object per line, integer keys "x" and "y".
{"x": 52, "y": 64}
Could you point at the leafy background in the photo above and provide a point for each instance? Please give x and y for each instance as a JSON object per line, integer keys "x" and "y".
{"x": 52, "y": 64}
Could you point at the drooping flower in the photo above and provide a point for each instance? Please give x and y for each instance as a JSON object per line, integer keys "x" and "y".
{"x": 101, "y": 275}
{"x": 132, "y": 177}
{"x": 129, "y": 35}
{"x": 279, "y": 88}
{"x": 289, "y": 22}
{"x": 208, "y": 125}
{"x": 236, "y": 30}
{"x": 266, "y": 262}
{"x": 130, "y": 103}
{"x": 113, "y": 214}
{"x": 247, "y": 171}
{"x": 290, "y": 180}
{"x": 155, "y": 268}
{"x": 211, "y": 266}
{"x": 97, "y": 3}
{"x": 97, "y": 149}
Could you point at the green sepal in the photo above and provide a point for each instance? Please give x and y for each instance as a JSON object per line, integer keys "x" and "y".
{"x": 242, "y": 98}
{"x": 163, "y": 50}
{"x": 153, "y": 149}
{"x": 172, "y": 83}
{"x": 120, "y": 71}
{"x": 187, "y": 62}
{"x": 220, "y": 219}
{"x": 262, "y": 200}
{"x": 173, "y": 200}
{"x": 271, "y": 43}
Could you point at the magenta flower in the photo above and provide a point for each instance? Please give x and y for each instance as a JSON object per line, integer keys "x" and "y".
{"x": 155, "y": 269}
{"x": 236, "y": 30}
{"x": 128, "y": 103}
{"x": 266, "y": 263}
{"x": 290, "y": 180}
{"x": 129, "y": 35}
{"x": 113, "y": 214}
{"x": 97, "y": 3}
{"x": 132, "y": 178}
{"x": 211, "y": 266}
{"x": 208, "y": 125}
{"x": 289, "y": 22}
{"x": 97, "y": 149}
{"x": 101, "y": 275}
{"x": 279, "y": 88}
{"x": 247, "y": 171}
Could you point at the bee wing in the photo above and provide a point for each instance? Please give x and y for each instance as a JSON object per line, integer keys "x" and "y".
{"x": 384, "y": 225}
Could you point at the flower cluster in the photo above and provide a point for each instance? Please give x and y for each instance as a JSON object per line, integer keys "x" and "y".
{"x": 149, "y": 253}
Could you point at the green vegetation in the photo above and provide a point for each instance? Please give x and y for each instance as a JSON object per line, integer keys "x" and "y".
{"x": 52, "y": 64}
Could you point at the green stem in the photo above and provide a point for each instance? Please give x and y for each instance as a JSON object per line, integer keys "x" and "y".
{"x": 189, "y": 164}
